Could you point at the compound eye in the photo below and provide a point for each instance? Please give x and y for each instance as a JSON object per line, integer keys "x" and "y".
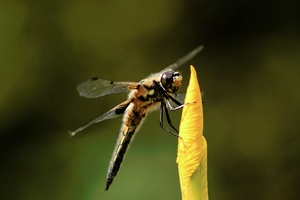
{"x": 166, "y": 79}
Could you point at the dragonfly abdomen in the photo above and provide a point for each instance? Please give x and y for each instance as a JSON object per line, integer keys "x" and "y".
{"x": 132, "y": 120}
{"x": 118, "y": 157}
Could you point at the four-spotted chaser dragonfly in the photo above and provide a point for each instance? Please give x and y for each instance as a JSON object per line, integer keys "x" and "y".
{"x": 157, "y": 90}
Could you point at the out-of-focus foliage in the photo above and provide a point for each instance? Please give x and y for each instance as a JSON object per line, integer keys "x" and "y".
{"x": 249, "y": 74}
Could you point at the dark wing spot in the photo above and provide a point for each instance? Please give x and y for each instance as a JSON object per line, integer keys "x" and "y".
{"x": 120, "y": 110}
{"x": 111, "y": 82}
{"x": 94, "y": 78}
{"x": 122, "y": 107}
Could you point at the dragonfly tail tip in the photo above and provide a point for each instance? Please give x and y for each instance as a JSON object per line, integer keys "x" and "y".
{"x": 71, "y": 133}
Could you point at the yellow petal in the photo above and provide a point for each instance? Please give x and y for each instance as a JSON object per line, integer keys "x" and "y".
{"x": 192, "y": 147}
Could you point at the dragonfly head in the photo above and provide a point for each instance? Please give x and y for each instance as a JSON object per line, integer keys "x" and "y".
{"x": 171, "y": 81}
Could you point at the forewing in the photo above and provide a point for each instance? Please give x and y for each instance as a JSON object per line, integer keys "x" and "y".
{"x": 184, "y": 59}
{"x": 113, "y": 113}
{"x": 97, "y": 87}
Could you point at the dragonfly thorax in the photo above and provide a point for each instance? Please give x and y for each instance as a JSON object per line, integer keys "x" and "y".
{"x": 171, "y": 81}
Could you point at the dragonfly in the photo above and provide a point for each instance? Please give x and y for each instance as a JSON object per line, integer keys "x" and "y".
{"x": 158, "y": 90}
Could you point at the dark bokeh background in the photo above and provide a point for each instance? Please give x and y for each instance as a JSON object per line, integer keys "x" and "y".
{"x": 249, "y": 72}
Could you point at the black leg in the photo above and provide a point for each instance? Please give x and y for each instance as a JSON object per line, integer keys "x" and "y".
{"x": 161, "y": 116}
{"x": 180, "y": 105}
{"x": 169, "y": 119}
{"x": 174, "y": 108}
{"x": 175, "y": 100}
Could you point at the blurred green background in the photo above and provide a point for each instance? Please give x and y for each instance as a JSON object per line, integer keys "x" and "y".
{"x": 249, "y": 72}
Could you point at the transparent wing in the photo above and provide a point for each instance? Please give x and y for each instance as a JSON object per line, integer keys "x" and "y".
{"x": 97, "y": 87}
{"x": 113, "y": 113}
{"x": 184, "y": 59}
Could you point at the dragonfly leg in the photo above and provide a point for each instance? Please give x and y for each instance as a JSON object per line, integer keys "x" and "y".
{"x": 175, "y": 100}
{"x": 174, "y": 108}
{"x": 161, "y": 116}
{"x": 180, "y": 105}
{"x": 169, "y": 119}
